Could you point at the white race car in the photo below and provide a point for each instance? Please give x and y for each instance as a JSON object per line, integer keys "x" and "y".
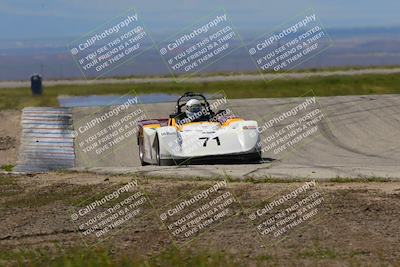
{"x": 195, "y": 133}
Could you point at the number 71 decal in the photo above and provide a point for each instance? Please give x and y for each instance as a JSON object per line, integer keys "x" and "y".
{"x": 208, "y": 138}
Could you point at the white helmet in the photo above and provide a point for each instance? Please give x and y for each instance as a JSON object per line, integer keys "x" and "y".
{"x": 192, "y": 107}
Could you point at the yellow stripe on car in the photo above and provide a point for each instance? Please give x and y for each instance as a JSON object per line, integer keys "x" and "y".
{"x": 152, "y": 126}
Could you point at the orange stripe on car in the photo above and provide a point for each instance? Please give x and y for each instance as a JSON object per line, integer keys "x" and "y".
{"x": 152, "y": 126}
{"x": 229, "y": 121}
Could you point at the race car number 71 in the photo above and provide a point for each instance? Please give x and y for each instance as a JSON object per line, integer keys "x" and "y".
{"x": 207, "y": 138}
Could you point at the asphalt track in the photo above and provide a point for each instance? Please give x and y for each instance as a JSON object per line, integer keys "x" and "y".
{"x": 359, "y": 136}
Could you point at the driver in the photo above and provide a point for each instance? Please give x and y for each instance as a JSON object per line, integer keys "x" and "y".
{"x": 193, "y": 108}
{"x": 194, "y": 112}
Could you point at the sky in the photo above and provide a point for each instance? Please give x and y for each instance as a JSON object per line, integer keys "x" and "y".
{"x": 27, "y": 19}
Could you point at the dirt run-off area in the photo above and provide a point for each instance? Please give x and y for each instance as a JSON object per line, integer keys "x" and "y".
{"x": 357, "y": 223}
{"x": 9, "y": 136}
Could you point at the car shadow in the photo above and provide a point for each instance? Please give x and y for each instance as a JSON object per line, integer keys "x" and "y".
{"x": 222, "y": 161}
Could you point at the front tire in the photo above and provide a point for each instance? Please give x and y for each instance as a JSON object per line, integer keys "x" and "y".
{"x": 157, "y": 147}
{"x": 159, "y": 161}
{"x": 141, "y": 152}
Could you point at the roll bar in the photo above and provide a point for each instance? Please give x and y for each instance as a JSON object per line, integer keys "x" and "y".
{"x": 178, "y": 107}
